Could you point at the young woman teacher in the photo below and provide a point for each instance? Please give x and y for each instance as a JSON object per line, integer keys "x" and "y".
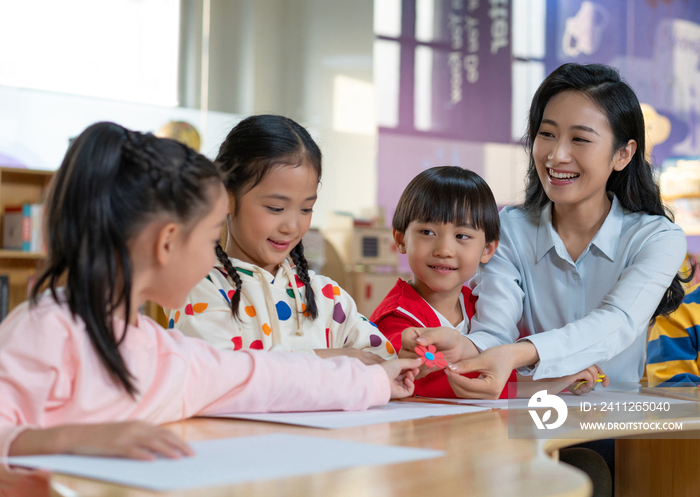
{"x": 589, "y": 258}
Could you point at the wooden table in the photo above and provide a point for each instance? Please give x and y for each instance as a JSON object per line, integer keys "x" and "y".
{"x": 481, "y": 459}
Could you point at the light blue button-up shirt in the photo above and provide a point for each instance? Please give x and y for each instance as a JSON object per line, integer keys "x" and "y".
{"x": 592, "y": 311}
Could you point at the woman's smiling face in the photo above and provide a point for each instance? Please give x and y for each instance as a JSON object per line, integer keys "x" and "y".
{"x": 573, "y": 150}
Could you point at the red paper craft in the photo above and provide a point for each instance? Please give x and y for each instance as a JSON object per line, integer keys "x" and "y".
{"x": 430, "y": 357}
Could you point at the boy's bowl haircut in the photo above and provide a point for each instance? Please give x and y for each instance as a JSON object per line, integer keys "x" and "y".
{"x": 449, "y": 194}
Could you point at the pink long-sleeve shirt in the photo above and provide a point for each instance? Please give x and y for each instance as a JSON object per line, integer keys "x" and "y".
{"x": 50, "y": 375}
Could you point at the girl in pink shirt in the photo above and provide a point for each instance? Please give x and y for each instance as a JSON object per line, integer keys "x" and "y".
{"x": 133, "y": 218}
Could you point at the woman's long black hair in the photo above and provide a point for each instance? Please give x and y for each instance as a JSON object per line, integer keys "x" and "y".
{"x": 111, "y": 184}
{"x": 251, "y": 150}
{"x": 634, "y": 186}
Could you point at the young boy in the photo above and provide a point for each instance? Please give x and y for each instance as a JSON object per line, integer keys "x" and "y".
{"x": 447, "y": 223}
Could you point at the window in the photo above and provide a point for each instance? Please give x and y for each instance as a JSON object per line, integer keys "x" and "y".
{"x": 120, "y": 49}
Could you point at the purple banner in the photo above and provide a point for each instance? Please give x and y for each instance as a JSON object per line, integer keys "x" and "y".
{"x": 472, "y": 78}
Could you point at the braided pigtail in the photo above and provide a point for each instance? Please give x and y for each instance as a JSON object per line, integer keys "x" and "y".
{"x": 233, "y": 275}
{"x": 297, "y": 255}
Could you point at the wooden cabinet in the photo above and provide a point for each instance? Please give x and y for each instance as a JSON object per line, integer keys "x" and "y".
{"x": 21, "y": 186}
{"x": 29, "y": 186}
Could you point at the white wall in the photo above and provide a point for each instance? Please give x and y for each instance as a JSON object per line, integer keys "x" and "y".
{"x": 35, "y": 126}
{"x": 283, "y": 56}
{"x": 265, "y": 56}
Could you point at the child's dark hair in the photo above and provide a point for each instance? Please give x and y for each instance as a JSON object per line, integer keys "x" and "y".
{"x": 251, "y": 150}
{"x": 634, "y": 186}
{"x": 448, "y": 194}
{"x": 112, "y": 182}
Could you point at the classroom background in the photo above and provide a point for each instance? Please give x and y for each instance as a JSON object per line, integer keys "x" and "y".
{"x": 388, "y": 88}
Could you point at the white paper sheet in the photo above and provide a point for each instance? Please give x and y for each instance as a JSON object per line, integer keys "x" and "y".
{"x": 231, "y": 460}
{"x": 594, "y": 397}
{"x": 393, "y": 411}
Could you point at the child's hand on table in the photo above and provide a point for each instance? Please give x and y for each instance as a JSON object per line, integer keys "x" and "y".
{"x": 131, "y": 439}
{"x": 401, "y": 373}
{"x": 367, "y": 358}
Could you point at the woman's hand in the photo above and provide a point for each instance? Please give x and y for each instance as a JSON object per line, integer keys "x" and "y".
{"x": 132, "y": 439}
{"x": 367, "y": 358}
{"x": 494, "y": 365}
{"x": 578, "y": 383}
{"x": 584, "y": 381}
{"x": 401, "y": 373}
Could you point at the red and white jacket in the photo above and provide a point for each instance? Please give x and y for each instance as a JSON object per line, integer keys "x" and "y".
{"x": 403, "y": 308}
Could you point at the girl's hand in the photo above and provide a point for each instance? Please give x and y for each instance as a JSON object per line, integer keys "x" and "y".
{"x": 401, "y": 373}
{"x": 367, "y": 358}
{"x": 584, "y": 381}
{"x": 132, "y": 439}
{"x": 449, "y": 341}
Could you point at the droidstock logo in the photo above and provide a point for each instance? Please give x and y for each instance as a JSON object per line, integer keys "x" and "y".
{"x": 543, "y": 399}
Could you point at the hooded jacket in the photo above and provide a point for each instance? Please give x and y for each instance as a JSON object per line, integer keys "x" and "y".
{"x": 271, "y": 313}
{"x": 404, "y": 308}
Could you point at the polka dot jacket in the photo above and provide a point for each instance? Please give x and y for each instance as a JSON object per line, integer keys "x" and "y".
{"x": 272, "y": 313}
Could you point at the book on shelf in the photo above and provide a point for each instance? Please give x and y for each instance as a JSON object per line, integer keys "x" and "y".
{"x": 22, "y": 228}
{"x": 4, "y": 296}
{"x": 12, "y": 228}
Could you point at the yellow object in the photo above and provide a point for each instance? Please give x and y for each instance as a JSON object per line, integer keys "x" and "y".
{"x": 657, "y": 128}
{"x": 182, "y": 132}
{"x": 584, "y": 381}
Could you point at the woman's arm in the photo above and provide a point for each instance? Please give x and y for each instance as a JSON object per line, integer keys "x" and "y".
{"x": 624, "y": 313}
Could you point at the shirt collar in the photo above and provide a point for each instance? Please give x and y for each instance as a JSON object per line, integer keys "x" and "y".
{"x": 607, "y": 238}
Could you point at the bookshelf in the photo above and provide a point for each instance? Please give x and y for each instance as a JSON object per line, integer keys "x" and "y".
{"x": 29, "y": 186}
{"x": 21, "y": 186}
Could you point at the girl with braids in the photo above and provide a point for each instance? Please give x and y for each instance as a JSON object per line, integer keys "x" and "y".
{"x": 261, "y": 294}
{"x": 589, "y": 259}
{"x": 134, "y": 218}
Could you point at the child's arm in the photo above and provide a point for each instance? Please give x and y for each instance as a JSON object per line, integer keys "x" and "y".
{"x": 365, "y": 356}
{"x": 38, "y": 361}
{"x": 132, "y": 439}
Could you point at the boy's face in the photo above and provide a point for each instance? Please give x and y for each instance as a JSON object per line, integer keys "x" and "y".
{"x": 443, "y": 256}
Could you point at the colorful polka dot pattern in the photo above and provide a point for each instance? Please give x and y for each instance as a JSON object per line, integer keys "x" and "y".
{"x": 250, "y": 311}
{"x": 339, "y": 314}
{"x": 375, "y": 341}
{"x": 266, "y": 329}
{"x": 237, "y": 343}
{"x": 244, "y": 271}
{"x": 389, "y": 347}
{"x": 330, "y": 291}
{"x": 227, "y": 296}
{"x": 256, "y": 345}
{"x": 298, "y": 281}
{"x": 190, "y": 309}
{"x": 284, "y": 312}
{"x": 171, "y": 323}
